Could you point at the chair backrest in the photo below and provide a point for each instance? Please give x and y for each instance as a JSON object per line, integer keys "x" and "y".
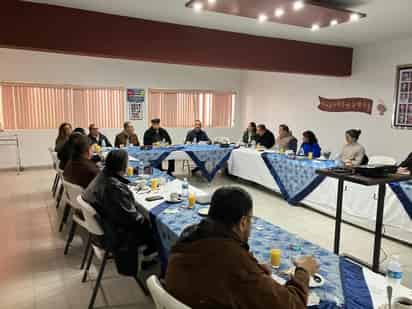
{"x": 89, "y": 217}
{"x": 382, "y": 160}
{"x": 162, "y": 299}
{"x": 72, "y": 192}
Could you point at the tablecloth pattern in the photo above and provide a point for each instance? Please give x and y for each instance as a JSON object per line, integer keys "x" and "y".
{"x": 265, "y": 236}
{"x": 153, "y": 157}
{"x": 403, "y": 190}
{"x": 209, "y": 158}
{"x": 296, "y": 178}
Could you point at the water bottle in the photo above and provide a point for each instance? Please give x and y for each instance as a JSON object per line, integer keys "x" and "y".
{"x": 394, "y": 272}
{"x": 141, "y": 168}
{"x": 104, "y": 142}
{"x": 185, "y": 188}
{"x": 195, "y": 140}
{"x": 301, "y": 152}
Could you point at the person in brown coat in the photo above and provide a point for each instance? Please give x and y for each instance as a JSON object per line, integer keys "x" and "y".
{"x": 80, "y": 169}
{"x": 211, "y": 265}
{"x": 127, "y": 136}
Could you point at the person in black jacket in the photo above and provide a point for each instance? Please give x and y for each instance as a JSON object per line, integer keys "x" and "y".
{"x": 65, "y": 153}
{"x": 156, "y": 134}
{"x": 197, "y": 134}
{"x": 95, "y": 137}
{"x": 406, "y": 166}
{"x": 124, "y": 226}
{"x": 264, "y": 137}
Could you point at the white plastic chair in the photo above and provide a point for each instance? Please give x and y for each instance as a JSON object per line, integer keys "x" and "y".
{"x": 56, "y": 162}
{"x": 60, "y": 197}
{"x": 96, "y": 231}
{"x": 382, "y": 160}
{"x": 72, "y": 191}
{"x": 161, "y": 298}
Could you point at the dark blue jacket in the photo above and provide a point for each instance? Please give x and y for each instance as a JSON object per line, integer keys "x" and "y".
{"x": 313, "y": 148}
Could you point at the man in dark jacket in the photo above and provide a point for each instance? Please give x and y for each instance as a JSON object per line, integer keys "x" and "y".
{"x": 127, "y": 136}
{"x": 156, "y": 134}
{"x": 264, "y": 137}
{"x": 80, "y": 169}
{"x": 211, "y": 266}
{"x": 98, "y": 138}
{"x": 197, "y": 134}
{"x": 125, "y": 228}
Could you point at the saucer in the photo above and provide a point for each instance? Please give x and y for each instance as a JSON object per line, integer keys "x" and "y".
{"x": 168, "y": 200}
{"x": 203, "y": 211}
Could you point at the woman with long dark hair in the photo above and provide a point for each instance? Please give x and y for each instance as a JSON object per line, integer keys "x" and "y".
{"x": 250, "y": 134}
{"x": 65, "y": 130}
{"x": 310, "y": 145}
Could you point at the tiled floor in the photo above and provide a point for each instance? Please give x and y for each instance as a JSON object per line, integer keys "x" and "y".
{"x": 34, "y": 273}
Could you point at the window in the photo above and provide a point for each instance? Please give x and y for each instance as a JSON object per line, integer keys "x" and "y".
{"x": 32, "y": 106}
{"x": 180, "y": 108}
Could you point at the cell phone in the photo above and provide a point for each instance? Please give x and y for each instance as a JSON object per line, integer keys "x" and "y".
{"x": 154, "y": 198}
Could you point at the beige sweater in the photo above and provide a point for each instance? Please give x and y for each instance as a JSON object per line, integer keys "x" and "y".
{"x": 353, "y": 153}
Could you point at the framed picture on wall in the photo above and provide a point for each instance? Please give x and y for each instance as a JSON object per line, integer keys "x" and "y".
{"x": 402, "y": 115}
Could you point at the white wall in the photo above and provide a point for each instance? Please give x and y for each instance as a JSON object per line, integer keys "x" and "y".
{"x": 275, "y": 98}
{"x": 39, "y": 67}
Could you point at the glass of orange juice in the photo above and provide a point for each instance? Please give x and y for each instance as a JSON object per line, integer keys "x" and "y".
{"x": 191, "y": 200}
{"x": 275, "y": 257}
{"x": 130, "y": 171}
{"x": 154, "y": 183}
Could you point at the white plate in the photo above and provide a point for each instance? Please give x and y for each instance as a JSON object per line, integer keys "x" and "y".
{"x": 316, "y": 281}
{"x": 174, "y": 201}
{"x": 204, "y": 211}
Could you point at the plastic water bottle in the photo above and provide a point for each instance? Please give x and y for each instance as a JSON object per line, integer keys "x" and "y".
{"x": 104, "y": 143}
{"x": 301, "y": 152}
{"x": 185, "y": 188}
{"x": 394, "y": 272}
{"x": 141, "y": 168}
{"x": 195, "y": 140}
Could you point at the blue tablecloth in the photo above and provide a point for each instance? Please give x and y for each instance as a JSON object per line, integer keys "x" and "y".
{"x": 208, "y": 158}
{"x": 295, "y": 178}
{"x": 266, "y": 236}
{"x": 403, "y": 190}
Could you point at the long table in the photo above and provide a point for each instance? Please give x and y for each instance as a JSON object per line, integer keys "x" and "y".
{"x": 359, "y": 205}
{"x": 347, "y": 284}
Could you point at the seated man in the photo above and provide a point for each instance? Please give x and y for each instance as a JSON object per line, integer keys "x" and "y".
{"x": 65, "y": 153}
{"x": 96, "y": 137}
{"x": 127, "y": 136}
{"x": 264, "y": 137}
{"x": 156, "y": 134}
{"x": 286, "y": 140}
{"x": 80, "y": 169}
{"x": 211, "y": 265}
{"x": 125, "y": 228}
{"x": 406, "y": 166}
{"x": 197, "y": 134}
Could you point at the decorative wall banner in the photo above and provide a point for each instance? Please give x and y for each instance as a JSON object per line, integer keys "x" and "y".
{"x": 135, "y": 102}
{"x": 361, "y": 105}
{"x": 402, "y": 117}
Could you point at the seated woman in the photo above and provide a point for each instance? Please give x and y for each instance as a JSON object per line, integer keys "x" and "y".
{"x": 65, "y": 130}
{"x": 250, "y": 134}
{"x": 353, "y": 153}
{"x": 124, "y": 226}
{"x": 406, "y": 166}
{"x": 310, "y": 144}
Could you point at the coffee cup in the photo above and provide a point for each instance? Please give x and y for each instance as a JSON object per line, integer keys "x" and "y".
{"x": 141, "y": 184}
{"x": 174, "y": 196}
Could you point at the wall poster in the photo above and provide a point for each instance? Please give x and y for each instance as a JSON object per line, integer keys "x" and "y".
{"x": 135, "y": 103}
{"x": 402, "y": 117}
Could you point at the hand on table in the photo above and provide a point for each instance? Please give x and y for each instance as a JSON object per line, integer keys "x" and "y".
{"x": 308, "y": 263}
{"x": 266, "y": 268}
{"x": 403, "y": 171}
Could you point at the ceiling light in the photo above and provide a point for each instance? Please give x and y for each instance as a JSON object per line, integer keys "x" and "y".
{"x": 333, "y": 22}
{"x": 354, "y": 17}
{"x": 297, "y": 5}
{"x": 315, "y": 27}
{"x": 279, "y": 12}
{"x": 262, "y": 18}
{"x": 211, "y": 1}
{"x": 198, "y": 6}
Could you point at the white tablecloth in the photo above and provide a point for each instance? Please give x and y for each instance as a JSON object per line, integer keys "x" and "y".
{"x": 359, "y": 204}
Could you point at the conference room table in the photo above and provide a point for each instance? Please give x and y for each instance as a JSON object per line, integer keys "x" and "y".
{"x": 347, "y": 285}
{"x": 299, "y": 184}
